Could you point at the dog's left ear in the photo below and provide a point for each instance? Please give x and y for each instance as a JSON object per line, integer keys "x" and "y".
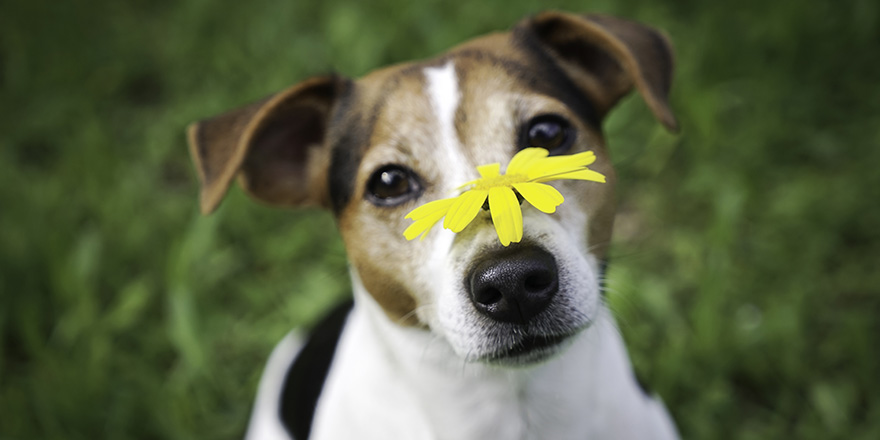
{"x": 273, "y": 146}
{"x": 607, "y": 56}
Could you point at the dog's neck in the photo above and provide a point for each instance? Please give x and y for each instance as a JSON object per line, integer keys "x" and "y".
{"x": 383, "y": 368}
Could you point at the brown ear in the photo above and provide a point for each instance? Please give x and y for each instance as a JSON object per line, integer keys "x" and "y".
{"x": 607, "y": 56}
{"x": 273, "y": 145}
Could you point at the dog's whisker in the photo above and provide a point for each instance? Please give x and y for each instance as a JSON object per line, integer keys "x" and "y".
{"x": 427, "y": 347}
{"x": 414, "y": 312}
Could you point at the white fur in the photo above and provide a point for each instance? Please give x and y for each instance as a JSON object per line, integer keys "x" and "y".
{"x": 391, "y": 382}
{"x": 265, "y": 424}
{"x": 444, "y": 95}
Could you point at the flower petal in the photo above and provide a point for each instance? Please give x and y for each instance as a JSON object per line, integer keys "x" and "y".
{"x": 506, "y": 215}
{"x": 542, "y": 196}
{"x": 491, "y": 170}
{"x": 425, "y": 217}
{"x": 522, "y": 161}
{"x": 428, "y": 209}
{"x": 465, "y": 208}
{"x": 555, "y": 165}
{"x": 422, "y": 226}
{"x": 584, "y": 174}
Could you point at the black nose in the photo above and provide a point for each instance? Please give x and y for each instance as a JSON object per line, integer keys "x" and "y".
{"x": 514, "y": 286}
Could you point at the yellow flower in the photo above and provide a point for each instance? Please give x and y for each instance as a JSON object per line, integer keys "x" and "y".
{"x": 525, "y": 177}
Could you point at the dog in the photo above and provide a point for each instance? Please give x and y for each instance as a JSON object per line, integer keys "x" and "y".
{"x": 422, "y": 352}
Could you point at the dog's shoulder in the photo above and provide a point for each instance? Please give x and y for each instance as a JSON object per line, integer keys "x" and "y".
{"x": 305, "y": 378}
{"x": 294, "y": 378}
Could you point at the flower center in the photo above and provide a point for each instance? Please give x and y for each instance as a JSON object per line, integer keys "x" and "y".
{"x": 499, "y": 181}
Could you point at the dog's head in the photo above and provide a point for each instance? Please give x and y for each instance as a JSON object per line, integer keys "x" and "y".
{"x": 373, "y": 149}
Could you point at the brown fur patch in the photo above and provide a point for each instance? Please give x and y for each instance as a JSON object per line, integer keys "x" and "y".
{"x": 373, "y": 234}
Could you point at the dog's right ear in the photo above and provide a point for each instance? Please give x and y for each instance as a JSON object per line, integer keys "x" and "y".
{"x": 273, "y": 145}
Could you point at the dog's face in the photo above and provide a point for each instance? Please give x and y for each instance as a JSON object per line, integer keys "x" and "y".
{"x": 478, "y": 104}
{"x": 373, "y": 149}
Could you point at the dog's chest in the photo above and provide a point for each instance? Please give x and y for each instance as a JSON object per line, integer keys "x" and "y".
{"x": 397, "y": 385}
{"x": 409, "y": 396}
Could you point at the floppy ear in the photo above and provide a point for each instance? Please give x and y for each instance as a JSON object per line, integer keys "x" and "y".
{"x": 273, "y": 145}
{"x": 607, "y": 56}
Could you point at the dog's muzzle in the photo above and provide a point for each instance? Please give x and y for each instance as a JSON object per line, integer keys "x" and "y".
{"x": 515, "y": 285}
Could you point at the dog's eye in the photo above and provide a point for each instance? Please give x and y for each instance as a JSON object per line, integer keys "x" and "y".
{"x": 551, "y": 132}
{"x": 392, "y": 185}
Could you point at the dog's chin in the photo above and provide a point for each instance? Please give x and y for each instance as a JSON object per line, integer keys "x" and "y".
{"x": 530, "y": 350}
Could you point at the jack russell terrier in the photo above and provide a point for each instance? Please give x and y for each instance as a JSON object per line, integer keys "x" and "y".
{"x": 423, "y": 352}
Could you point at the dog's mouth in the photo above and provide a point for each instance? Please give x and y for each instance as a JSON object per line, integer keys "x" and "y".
{"x": 529, "y": 350}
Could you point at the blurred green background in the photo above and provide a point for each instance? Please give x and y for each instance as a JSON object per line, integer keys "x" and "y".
{"x": 745, "y": 265}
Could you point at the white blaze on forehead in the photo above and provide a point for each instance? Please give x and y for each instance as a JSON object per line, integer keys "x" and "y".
{"x": 444, "y": 94}
{"x": 442, "y": 91}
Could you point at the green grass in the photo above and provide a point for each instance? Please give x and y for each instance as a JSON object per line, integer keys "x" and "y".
{"x": 745, "y": 264}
